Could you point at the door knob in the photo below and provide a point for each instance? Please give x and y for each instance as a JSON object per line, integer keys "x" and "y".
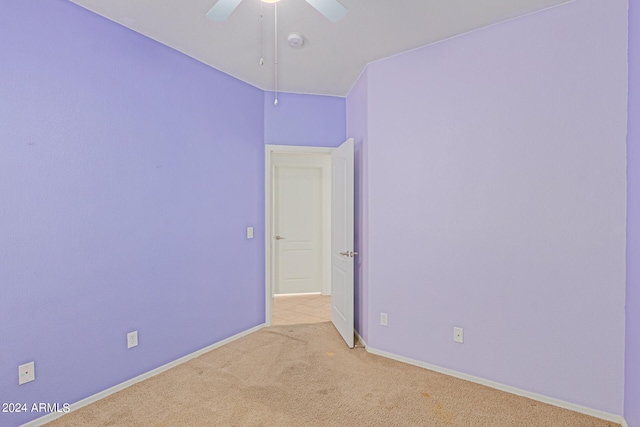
{"x": 279, "y": 237}
{"x": 349, "y": 254}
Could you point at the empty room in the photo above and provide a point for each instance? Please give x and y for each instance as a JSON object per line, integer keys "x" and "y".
{"x": 320, "y": 212}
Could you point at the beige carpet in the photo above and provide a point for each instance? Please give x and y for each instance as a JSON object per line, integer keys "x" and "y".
{"x": 303, "y": 375}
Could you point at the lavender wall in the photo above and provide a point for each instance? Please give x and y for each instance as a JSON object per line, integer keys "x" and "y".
{"x": 128, "y": 173}
{"x": 632, "y": 365}
{"x": 308, "y": 120}
{"x": 496, "y": 176}
{"x": 357, "y": 128}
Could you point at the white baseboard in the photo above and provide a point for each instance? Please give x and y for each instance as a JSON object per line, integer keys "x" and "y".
{"x": 534, "y": 396}
{"x": 101, "y": 395}
{"x": 502, "y": 387}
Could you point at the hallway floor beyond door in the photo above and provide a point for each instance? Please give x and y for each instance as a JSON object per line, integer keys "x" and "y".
{"x": 295, "y": 309}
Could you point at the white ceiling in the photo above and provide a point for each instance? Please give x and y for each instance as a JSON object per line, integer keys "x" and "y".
{"x": 333, "y": 55}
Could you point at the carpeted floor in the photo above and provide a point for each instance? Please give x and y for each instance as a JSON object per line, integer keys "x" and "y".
{"x": 304, "y": 375}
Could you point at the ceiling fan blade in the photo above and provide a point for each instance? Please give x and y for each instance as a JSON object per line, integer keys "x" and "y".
{"x": 331, "y": 9}
{"x": 222, "y": 9}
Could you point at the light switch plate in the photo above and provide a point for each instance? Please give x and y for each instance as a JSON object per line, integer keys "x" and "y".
{"x": 249, "y": 232}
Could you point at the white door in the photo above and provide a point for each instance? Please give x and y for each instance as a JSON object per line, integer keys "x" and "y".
{"x": 342, "y": 252}
{"x": 298, "y": 223}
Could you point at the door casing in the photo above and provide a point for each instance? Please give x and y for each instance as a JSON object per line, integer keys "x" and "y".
{"x": 270, "y": 150}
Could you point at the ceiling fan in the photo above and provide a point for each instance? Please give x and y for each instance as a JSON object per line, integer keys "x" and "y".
{"x": 331, "y": 9}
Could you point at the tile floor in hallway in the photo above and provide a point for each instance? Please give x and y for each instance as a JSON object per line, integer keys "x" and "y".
{"x": 305, "y": 308}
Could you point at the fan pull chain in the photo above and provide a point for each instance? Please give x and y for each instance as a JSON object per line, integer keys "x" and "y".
{"x": 275, "y": 42}
{"x": 261, "y": 32}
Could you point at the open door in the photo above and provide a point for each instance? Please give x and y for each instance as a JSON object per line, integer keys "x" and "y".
{"x": 342, "y": 240}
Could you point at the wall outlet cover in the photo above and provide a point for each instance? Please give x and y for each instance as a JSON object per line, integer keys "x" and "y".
{"x": 132, "y": 339}
{"x": 26, "y": 373}
{"x": 384, "y": 319}
{"x": 458, "y": 335}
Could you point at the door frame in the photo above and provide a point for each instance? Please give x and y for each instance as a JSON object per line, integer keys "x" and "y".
{"x": 268, "y": 206}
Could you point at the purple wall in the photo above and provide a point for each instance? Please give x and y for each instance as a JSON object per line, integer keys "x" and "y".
{"x": 632, "y": 365}
{"x": 308, "y": 120}
{"x": 357, "y": 128}
{"x": 497, "y": 201}
{"x": 128, "y": 173}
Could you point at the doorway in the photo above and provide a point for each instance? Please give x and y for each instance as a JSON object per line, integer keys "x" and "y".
{"x": 298, "y": 234}
{"x": 337, "y": 231}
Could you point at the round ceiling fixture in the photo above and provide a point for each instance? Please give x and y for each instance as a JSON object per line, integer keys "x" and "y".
{"x": 295, "y": 40}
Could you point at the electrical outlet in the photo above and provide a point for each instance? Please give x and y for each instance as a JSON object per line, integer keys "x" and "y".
{"x": 249, "y": 232}
{"x": 384, "y": 319}
{"x": 132, "y": 339}
{"x": 26, "y": 373}
{"x": 458, "y": 335}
